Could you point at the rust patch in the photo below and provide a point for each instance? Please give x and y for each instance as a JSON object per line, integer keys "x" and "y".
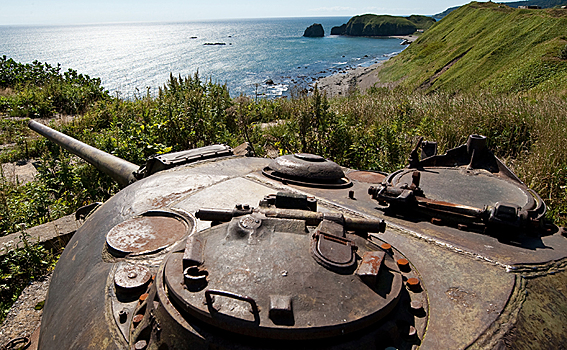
{"x": 366, "y": 177}
{"x": 132, "y": 276}
{"x": 163, "y": 201}
{"x": 145, "y": 234}
{"x": 460, "y": 296}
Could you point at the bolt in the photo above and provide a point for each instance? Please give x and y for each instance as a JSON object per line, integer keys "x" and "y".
{"x": 351, "y": 194}
{"x": 436, "y": 221}
{"x": 140, "y": 345}
{"x": 413, "y": 284}
{"x": 132, "y": 275}
{"x": 416, "y": 305}
{"x": 415, "y": 177}
{"x": 246, "y": 206}
{"x": 412, "y": 332}
{"x": 123, "y": 315}
{"x": 137, "y": 319}
{"x": 239, "y": 206}
{"x": 386, "y": 246}
{"x": 403, "y": 264}
{"x": 462, "y": 227}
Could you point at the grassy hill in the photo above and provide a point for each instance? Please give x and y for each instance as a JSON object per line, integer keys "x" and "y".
{"x": 487, "y": 46}
{"x": 541, "y": 3}
{"x": 383, "y": 25}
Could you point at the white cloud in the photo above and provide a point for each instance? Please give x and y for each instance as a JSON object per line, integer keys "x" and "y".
{"x": 333, "y": 9}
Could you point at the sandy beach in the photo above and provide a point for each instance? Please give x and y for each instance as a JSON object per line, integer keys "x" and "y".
{"x": 361, "y": 78}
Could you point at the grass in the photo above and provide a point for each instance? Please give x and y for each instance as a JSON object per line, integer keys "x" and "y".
{"x": 493, "y": 47}
{"x": 20, "y": 265}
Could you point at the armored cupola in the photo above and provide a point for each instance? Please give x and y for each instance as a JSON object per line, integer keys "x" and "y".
{"x": 307, "y": 169}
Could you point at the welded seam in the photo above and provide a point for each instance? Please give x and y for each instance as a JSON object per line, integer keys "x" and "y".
{"x": 494, "y": 334}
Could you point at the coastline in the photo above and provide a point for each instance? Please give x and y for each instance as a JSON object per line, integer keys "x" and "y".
{"x": 360, "y": 78}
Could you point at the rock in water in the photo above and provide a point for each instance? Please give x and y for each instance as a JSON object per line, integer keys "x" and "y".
{"x": 339, "y": 30}
{"x": 314, "y": 31}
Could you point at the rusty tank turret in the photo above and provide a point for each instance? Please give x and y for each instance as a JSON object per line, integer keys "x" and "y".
{"x": 205, "y": 249}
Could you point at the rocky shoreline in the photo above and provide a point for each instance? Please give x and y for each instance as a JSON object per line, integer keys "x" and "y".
{"x": 361, "y": 78}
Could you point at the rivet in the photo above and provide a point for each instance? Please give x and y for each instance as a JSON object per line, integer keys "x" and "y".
{"x": 137, "y": 319}
{"x": 140, "y": 345}
{"x": 412, "y": 331}
{"x": 436, "y": 221}
{"x": 143, "y": 297}
{"x": 386, "y": 246}
{"x": 416, "y": 305}
{"x": 403, "y": 264}
{"x": 132, "y": 275}
{"x": 413, "y": 284}
{"x": 462, "y": 227}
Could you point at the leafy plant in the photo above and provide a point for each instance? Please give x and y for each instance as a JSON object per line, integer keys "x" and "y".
{"x": 563, "y": 53}
{"x": 20, "y": 265}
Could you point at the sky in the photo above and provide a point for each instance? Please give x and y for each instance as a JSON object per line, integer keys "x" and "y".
{"x": 41, "y": 12}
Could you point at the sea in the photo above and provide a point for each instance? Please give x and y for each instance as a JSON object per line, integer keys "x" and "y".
{"x": 254, "y": 57}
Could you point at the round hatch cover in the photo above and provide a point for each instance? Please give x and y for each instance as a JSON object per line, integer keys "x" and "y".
{"x": 149, "y": 232}
{"x": 263, "y": 281}
{"x": 470, "y": 187}
{"x": 307, "y": 170}
{"x": 132, "y": 276}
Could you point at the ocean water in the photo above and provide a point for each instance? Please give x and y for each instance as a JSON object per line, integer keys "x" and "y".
{"x": 131, "y": 58}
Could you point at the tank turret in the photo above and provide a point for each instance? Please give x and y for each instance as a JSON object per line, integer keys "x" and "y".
{"x": 205, "y": 249}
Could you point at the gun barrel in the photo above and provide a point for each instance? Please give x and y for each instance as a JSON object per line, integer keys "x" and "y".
{"x": 120, "y": 170}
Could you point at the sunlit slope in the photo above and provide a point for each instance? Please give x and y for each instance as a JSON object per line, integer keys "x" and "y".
{"x": 487, "y": 46}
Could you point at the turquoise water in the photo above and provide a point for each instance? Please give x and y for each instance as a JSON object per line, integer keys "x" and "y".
{"x": 130, "y": 58}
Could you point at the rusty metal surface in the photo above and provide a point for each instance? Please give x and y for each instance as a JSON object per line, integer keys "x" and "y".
{"x": 462, "y": 281}
{"x": 171, "y": 160}
{"x": 404, "y": 330}
{"x": 324, "y": 303}
{"x": 132, "y": 276}
{"x": 148, "y": 233}
{"x": 460, "y": 186}
{"x": 541, "y": 323}
{"x": 515, "y": 253}
{"x": 465, "y": 295}
{"x": 75, "y": 291}
{"x": 307, "y": 169}
{"x": 225, "y": 194}
{"x": 370, "y": 177}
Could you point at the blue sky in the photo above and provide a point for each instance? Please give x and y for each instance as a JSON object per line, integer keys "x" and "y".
{"x": 105, "y": 11}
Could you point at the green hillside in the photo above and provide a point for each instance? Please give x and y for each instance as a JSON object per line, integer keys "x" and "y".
{"x": 487, "y": 46}
{"x": 383, "y": 25}
{"x": 541, "y": 3}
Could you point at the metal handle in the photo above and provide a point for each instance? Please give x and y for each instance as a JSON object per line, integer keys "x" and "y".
{"x": 249, "y": 300}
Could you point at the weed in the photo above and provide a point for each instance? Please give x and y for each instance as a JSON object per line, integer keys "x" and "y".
{"x": 20, "y": 265}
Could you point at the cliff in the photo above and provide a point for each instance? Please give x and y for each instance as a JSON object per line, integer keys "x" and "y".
{"x": 382, "y": 25}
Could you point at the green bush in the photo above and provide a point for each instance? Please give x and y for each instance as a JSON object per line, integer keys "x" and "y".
{"x": 563, "y": 53}
{"x": 17, "y": 267}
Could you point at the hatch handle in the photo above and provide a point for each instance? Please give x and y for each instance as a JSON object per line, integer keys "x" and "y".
{"x": 251, "y": 301}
